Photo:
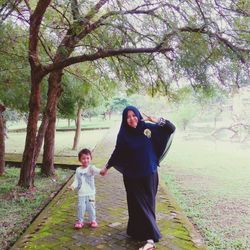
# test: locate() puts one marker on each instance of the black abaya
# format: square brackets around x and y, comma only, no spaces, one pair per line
[141,194]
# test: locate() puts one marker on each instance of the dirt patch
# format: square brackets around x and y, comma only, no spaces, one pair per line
[190,182]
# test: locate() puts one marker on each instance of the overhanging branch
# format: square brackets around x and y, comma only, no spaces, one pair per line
[103,53]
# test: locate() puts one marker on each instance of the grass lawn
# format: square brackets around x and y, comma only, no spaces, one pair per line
[210,180]
[18,208]
[94,122]
[63,141]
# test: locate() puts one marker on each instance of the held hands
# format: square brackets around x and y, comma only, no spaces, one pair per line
[103,171]
[70,188]
[150,118]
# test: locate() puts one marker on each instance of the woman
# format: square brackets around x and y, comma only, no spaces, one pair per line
[140,147]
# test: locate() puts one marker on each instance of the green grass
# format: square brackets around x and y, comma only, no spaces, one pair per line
[17,207]
[63,141]
[95,122]
[210,180]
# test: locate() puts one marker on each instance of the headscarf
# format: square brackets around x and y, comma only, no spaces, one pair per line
[139,150]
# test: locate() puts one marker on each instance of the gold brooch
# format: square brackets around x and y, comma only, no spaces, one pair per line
[147,132]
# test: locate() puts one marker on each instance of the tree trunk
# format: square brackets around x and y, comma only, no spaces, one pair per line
[78,128]
[40,135]
[27,172]
[2,141]
[54,92]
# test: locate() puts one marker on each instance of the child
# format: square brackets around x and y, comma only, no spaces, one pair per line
[85,184]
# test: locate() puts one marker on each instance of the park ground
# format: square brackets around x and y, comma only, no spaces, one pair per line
[209,180]
[53,228]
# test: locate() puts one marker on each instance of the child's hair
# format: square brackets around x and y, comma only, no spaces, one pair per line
[84,151]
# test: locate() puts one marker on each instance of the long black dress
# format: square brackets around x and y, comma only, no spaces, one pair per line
[137,155]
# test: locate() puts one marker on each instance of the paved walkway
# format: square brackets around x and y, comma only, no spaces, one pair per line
[53,228]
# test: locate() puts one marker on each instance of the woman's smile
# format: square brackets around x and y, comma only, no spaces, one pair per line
[132,119]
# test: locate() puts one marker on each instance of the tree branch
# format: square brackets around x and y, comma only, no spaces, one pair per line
[224,41]
[75,10]
[200,10]
[10,6]
[62,14]
[103,53]
[233,47]
[35,22]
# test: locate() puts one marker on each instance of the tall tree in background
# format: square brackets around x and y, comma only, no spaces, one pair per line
[15,70]
[10,79]
[83,94]
[193,40]
[2,140]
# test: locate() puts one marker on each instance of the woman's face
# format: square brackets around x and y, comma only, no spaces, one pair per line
[132,119]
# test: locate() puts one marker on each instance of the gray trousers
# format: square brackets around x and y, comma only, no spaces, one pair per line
[86,204]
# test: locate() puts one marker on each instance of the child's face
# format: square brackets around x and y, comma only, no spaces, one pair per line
[85,159]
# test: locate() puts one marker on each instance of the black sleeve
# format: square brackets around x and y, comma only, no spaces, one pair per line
[167,125]
[113,159]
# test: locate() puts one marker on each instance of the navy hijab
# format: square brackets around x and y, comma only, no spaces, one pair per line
[139,150]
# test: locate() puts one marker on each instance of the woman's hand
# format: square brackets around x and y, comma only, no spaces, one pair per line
[150,118]
[103,171]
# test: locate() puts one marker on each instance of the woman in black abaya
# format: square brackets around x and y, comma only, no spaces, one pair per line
[140,147]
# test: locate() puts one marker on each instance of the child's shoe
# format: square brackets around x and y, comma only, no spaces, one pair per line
[93,224]
[78,225]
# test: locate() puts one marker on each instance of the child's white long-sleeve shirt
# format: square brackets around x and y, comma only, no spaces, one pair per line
[84,180]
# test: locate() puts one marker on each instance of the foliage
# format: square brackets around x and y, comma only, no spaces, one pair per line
[15,77]
[7,7]
[117,104]
[12,115]
[199,41]
[196,104]
[184,113]
[85,92]
[196,50]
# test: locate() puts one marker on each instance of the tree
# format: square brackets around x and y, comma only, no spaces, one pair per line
[82,94]
[2,140]
[117,103]
[15,78]
[186,111]
[190,39]
[85,98]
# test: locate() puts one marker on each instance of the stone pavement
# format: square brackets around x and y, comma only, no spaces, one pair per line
[53,228]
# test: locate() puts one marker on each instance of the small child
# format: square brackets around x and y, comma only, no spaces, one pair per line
[85,184]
